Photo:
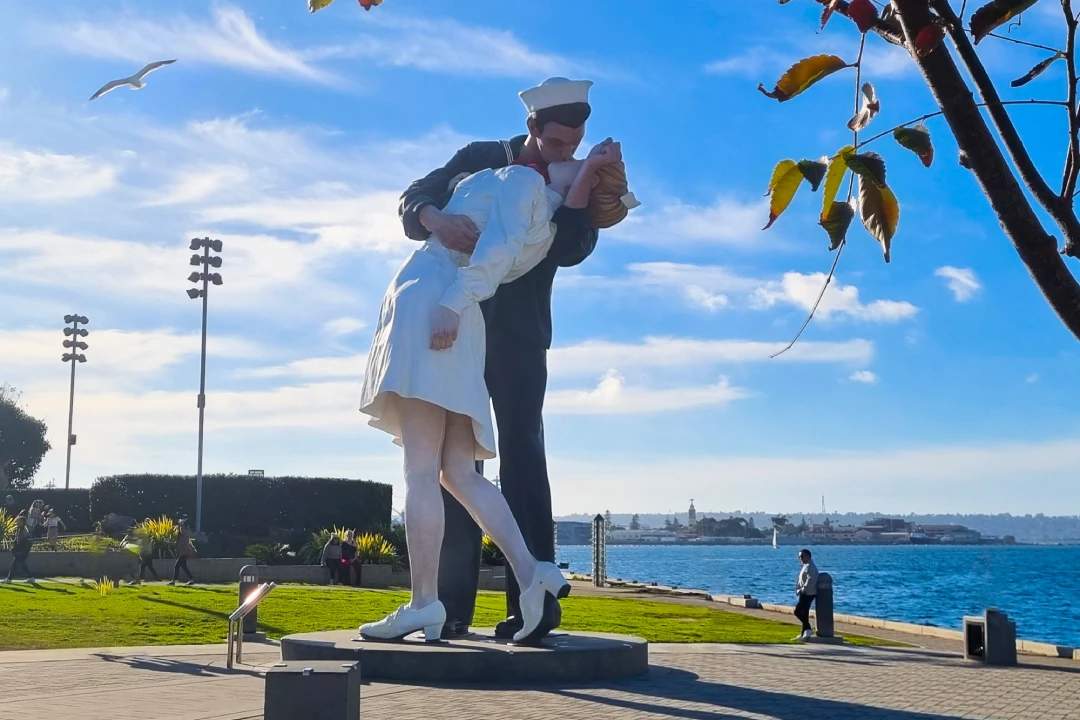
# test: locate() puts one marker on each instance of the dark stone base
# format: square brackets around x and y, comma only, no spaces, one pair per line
[478,659]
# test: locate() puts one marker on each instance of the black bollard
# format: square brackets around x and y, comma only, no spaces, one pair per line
[249,580]
[824,606]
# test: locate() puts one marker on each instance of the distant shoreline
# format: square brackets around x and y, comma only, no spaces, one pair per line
[813,542]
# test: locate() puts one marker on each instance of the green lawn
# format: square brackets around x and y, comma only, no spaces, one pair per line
[57,615]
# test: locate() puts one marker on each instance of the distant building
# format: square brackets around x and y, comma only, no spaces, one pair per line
[950,533]
[691,520]
[889,525]
[571,532]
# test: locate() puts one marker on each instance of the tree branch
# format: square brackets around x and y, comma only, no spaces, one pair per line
[1072,161]
[924,118]
[885,29]
[1058,208]
[1037,249]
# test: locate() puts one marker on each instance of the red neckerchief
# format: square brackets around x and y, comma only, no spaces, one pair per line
[536,164]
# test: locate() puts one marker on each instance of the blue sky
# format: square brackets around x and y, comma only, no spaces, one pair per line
[939,382]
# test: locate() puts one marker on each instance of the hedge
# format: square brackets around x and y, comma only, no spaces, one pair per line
[73,506]
[247,506]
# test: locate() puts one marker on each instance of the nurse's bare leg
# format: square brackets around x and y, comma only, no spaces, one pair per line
[481,498]
[423,427]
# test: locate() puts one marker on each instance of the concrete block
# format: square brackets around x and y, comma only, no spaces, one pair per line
[313,690]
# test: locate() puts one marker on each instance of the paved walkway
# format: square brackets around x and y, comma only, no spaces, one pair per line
[692,682]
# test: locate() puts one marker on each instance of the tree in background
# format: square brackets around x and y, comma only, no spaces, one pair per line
[780,522]
[22,442]
[635,522]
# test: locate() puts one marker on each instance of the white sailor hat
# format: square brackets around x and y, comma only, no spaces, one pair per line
[555,91]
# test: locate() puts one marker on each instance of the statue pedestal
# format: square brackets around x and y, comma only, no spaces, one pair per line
[480,658]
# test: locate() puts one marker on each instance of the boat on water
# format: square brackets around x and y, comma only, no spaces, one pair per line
[775,538]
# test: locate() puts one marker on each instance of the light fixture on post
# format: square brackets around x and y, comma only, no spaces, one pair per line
[206,278]
[75,356]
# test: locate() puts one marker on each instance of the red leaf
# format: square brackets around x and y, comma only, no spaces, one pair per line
[827,12]
[863,13]
[928,39]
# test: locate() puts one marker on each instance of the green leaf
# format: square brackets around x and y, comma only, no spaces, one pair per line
[917,140]
[834,176]
[868,165]
[880,213]
[837,222]
[1037,70]
[785,181]
[995,14]
[871,106]
[813,171]
[802,75]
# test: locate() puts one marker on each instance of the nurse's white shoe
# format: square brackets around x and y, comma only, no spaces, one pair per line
[407,620]
[539,603]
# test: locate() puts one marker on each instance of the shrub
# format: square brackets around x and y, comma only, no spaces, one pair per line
[162,534]
[490,553]
[81,543]
[311,553]
[268,553]
[396,536]
[374,549]
[102,585]
[247,506]
[7,529]
[73,506]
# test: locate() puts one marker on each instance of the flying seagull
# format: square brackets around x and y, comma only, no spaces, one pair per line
[135,81]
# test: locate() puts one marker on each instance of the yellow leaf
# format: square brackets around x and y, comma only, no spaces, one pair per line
[316,5]
[785,181]
[833,177]
[802,75]
[995,14]
[880,213]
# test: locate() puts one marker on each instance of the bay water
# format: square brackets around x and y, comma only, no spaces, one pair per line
[1038,586]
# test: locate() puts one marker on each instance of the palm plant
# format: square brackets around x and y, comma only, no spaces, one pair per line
[102,586]
[268,553]
[7,529]
[162,534]
[374,549]
[311,553]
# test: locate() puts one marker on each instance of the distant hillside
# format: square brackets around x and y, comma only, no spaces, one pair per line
[1026,528]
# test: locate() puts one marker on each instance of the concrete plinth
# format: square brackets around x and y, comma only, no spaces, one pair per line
[479,658]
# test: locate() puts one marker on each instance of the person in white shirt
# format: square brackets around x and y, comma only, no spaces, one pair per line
[806,590]
[424,382]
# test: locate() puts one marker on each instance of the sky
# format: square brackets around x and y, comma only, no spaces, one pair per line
[939,382]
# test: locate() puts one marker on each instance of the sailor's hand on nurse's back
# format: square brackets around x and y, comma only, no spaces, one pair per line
[456,232]
[607,152]
[444,328]
[455,180]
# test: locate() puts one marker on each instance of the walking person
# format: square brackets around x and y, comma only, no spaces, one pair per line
[185,549]
[142,539]
[331,556]
[806,590]
[348,559]
[53,524]
[35,519]
[20,551]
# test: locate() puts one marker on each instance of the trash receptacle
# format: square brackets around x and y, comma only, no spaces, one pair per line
[249,580]
[824,606]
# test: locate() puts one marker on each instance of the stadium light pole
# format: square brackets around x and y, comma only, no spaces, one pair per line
[207,278]
[72,341]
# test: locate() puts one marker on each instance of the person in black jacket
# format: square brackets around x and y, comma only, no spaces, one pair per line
[518,320]
[20,551]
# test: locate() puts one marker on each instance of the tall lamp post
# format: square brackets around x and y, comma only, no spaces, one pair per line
[204,261]
[74,344]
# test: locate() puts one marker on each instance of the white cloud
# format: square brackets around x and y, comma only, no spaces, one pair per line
[765,64]
[446,46]
[965,478]
[230,40]
[339,327]
[597,356]
[726,222]
[27,176]
[194,184]
[1032,378]
[963,282]
[612,396]
[351,366]
[802,291]
[114,356]
[864,376]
